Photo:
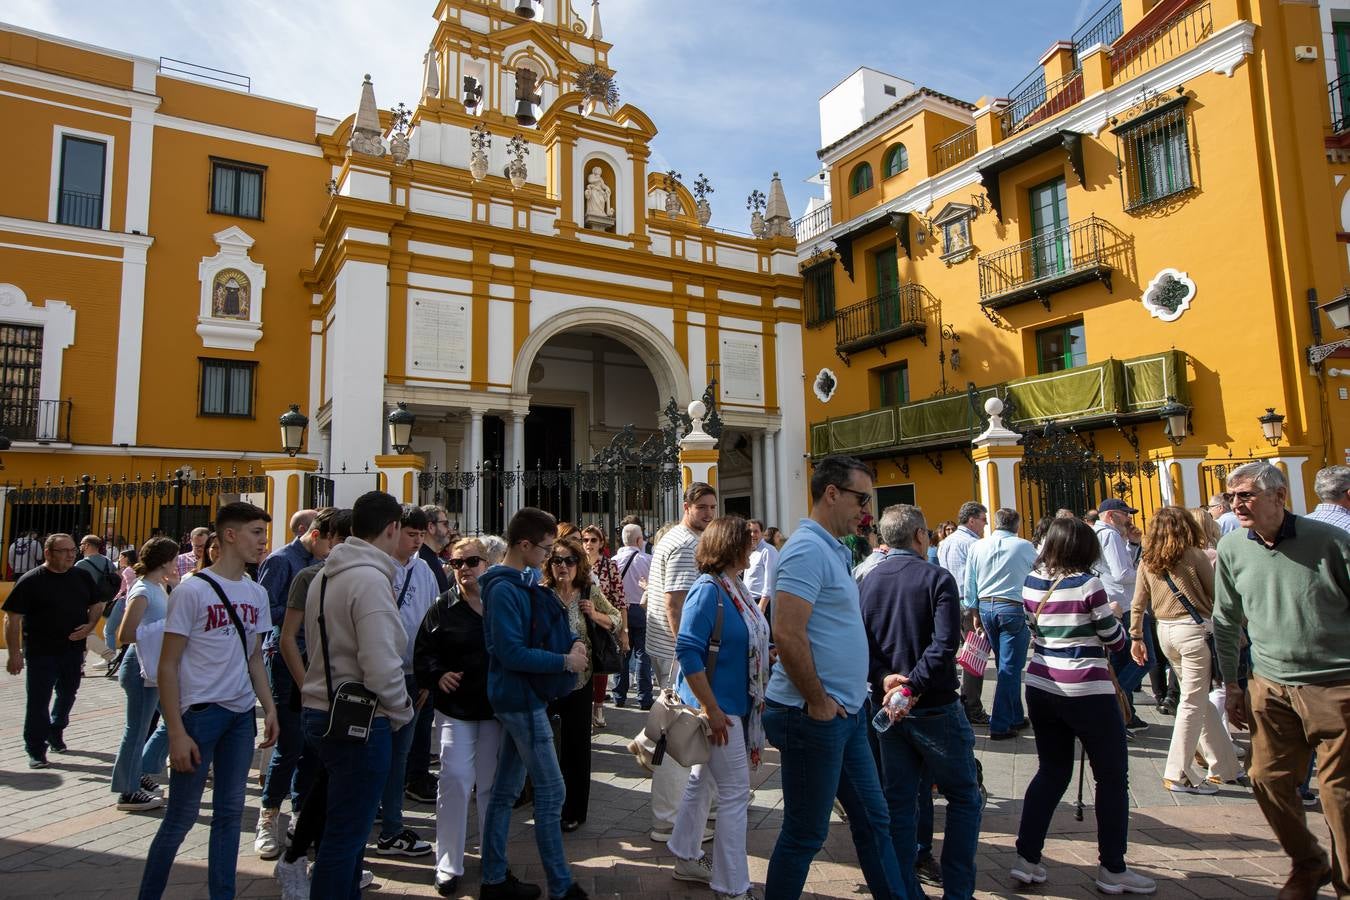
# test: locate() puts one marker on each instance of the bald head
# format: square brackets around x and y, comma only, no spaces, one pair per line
[301,521]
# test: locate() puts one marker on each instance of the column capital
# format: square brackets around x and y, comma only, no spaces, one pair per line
[400,461]
[996,451]
[1168,454]
[1292,451]
[289,464]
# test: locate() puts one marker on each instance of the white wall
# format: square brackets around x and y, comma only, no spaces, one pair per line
[856,99]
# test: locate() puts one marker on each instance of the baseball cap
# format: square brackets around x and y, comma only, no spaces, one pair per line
[1114,504]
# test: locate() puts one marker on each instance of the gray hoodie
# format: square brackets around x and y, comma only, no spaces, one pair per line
[365,635]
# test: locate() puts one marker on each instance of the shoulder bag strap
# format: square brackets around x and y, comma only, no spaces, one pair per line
[229,608]
[715,642]
[407,580]
[1182,599]
[626,566]
[323,636]
[1036,616]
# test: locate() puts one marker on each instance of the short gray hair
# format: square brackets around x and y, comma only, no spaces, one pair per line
[899,524]
[969,510]
[495,547]
[1006,519]
[1262,475]
[1218,500]
[632,535]
[1331,483]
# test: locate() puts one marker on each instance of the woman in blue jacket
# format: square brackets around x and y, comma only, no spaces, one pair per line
[728,686]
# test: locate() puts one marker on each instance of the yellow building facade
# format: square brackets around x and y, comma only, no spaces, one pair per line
[1141,227]
[181,260]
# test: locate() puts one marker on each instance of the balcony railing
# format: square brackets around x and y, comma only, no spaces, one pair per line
[875,322]
[79,209]
[1052,261]
[1170,39]
[1040,100]
[1104,27]
[43,421]
[955,149]
[1339,94]
[813,223]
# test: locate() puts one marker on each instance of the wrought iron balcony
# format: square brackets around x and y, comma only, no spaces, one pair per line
[1339,95]
[1168,40]
[43,421]
[1050,262]
[79,209]
[957,148]
[875,322]
[813,223]
[1036,100]
[1105,25]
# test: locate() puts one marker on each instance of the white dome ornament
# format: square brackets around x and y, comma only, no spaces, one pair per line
[1169,295]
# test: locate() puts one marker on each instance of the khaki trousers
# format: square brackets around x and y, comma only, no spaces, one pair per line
[1197,721]
[1290,723]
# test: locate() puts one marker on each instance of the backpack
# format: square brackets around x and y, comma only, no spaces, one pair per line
[549,630]
[106,580]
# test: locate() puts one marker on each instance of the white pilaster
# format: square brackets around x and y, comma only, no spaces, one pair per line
[757,475]
[515,462]
[773,487]
[1293,470]
[130,320]
[473,518]
[358,342]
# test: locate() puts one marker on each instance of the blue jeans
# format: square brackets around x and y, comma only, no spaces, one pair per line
[1129,673]
[225,741]
[527,747]
[934,745]
[923,839]
[391,797]
[292,771]
[356,775]
[137,755]
[1005,624]
[57,673]
[637,650]
[822,760]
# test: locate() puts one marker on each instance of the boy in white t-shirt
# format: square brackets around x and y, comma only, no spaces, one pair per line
[210,672]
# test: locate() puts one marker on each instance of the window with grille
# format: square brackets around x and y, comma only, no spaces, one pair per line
[20,377]
[1155,156]
[227,387]
[236,189]
[819,282]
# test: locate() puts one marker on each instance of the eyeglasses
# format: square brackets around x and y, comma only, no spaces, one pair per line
[1243,496]
[63,550]
[568,561]
[471,561]
[863,498]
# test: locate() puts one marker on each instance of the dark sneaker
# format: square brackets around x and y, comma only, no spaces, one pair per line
[149,785]
[575,893]
[405,843]
[1136,724]
[448,887]
[1002,735]
[421,791]
[977,716]
[1022,725]
[38,762]
[138,801]
[929,872]
[510,889]
[57,742]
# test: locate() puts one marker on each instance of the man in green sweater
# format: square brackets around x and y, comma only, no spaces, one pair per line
[1287,578]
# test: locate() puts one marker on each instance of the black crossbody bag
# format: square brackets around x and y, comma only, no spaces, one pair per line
[351,708]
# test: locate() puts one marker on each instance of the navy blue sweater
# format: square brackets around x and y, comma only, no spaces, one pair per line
[912,613]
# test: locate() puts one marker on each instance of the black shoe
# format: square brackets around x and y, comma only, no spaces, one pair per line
[422,791]
[448,887]
[57,742]
[511,889]
[977,716]
[569,827]
[1002,735]
[645,706]
[618,701]
[1022,725]
[929,872]
[575,893]
[38,762]
[1167,708]
[1136,724]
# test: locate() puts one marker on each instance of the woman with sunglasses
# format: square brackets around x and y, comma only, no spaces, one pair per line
[450,660]
[605,575]
[568,573]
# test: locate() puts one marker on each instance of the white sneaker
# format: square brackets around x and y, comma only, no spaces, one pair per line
[1027,872]
[1126,882]
[1185,786]
[294,879]
[367,876]
[265,843]
[693,869]
[663,835]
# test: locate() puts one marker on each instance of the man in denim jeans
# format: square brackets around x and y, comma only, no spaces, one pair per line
[913,616]
[209,673]
[817,690]
[527,739]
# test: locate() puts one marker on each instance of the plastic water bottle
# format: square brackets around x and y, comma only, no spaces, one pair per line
[900,700]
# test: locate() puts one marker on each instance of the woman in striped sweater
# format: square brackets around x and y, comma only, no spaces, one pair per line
[1071,696]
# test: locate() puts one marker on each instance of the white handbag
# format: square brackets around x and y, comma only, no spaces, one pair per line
[149,641]
[676,728]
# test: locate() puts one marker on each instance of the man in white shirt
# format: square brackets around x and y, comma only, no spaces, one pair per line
[1222,512]
[952,552]
[634,567]
[25,554]
[1116,569]
[1332,486]
[763,566]
[210,675]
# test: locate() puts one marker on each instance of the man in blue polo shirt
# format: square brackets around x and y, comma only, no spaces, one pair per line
[816,692]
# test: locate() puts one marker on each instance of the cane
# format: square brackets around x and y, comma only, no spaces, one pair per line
[1078,808]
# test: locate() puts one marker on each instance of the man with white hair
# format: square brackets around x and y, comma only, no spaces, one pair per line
[1223,514]
[1332,486]
[1287,578]
[996,569]
[634,565]
[971,520]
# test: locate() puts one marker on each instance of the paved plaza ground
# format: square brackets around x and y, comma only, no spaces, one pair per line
[61,837]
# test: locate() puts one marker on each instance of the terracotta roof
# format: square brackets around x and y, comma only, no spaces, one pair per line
[894,107]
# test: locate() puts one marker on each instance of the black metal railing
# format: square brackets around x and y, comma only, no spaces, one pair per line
[957,148]
[1169,39]
[1104,26]
[1051,261]
[889,316]
[36,420]
[1040,100]
[80,209]
[813,223]
[1338,92]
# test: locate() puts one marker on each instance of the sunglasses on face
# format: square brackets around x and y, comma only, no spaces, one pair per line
[471,561]
[862,498]
[568,561]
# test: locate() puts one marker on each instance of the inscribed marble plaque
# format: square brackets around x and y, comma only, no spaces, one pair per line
[742,368]
[438,336]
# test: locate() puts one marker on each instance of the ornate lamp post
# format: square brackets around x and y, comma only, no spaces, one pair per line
[1176,420]
[401,423]
[947,333]
[293,424]
[1272,426]
[1338,311]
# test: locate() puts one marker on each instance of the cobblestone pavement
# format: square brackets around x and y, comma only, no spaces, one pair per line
[60,835]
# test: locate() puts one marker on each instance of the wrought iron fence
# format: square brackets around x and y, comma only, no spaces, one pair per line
[1061,469]
[1157,45]
[36,420]
[1060,252]
[1214,475]
[957,148]
[1040,100]
[1338,93]
[321,487]
[128,511]
[888,316]
[1104,26]
[817,221]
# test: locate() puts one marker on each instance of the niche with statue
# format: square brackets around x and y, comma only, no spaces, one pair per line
[598,195]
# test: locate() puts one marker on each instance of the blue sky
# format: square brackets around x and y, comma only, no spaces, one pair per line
[731,84]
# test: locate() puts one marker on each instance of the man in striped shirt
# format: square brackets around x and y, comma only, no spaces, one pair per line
[187,562]
[1332,486]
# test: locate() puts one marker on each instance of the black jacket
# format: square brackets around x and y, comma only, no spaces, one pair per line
[451,640]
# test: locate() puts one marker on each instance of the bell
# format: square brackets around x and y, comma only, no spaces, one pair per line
[525,113]
[525,9]
[473,92]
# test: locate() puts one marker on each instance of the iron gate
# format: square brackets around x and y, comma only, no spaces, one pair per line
[1214,475]
[1061,469]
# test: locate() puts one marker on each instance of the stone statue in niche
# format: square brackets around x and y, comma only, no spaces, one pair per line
[230,295]
[599,205]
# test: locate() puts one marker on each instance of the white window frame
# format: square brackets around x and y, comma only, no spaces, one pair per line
[59,134]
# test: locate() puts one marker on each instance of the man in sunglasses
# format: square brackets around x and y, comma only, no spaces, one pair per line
[434,542]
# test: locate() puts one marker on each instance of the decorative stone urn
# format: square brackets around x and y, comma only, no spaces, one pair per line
[399,146]
[757,225]
[703,211]
[672,204]
[478,164]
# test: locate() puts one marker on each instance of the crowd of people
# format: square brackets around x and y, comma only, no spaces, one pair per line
[380,646]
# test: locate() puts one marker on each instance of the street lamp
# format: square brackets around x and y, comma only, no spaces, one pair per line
[1175,419]
[293,424]
[400,428]
[1272,426]
[1338,311]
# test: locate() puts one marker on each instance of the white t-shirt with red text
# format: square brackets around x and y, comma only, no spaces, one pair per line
[213,668]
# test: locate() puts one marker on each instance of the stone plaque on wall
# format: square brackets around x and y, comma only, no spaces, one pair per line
[742,368]
[438,336]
